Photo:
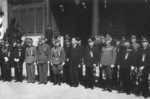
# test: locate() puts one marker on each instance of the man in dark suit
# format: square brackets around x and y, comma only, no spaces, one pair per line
[18,59]
[49,35]
[74,63]
[91,60]
[144,66]
[126,67]
[66,66]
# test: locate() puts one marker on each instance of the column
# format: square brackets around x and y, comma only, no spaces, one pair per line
[95,18]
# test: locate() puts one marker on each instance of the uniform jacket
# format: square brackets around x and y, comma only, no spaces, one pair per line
[91,56]
[108,55]
[43,53]
[127,58]
[143,58]
[30,54]
[57,55]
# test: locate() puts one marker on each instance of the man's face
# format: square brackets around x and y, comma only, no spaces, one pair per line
[144,44]
[133,40]
[73,41]
[118,43]
[91,43]
[108,42]
[126,44]
[43,41]
[29,44]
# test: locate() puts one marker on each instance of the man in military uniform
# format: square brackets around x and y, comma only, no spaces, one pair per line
[107,62]
[30,60]
[144,66]
[57,57]
[43,59]
[18,59]
[91,61]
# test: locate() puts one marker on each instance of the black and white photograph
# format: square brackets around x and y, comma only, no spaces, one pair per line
[74,49]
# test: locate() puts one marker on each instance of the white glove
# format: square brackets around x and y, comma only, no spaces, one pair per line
[51,64]
[34,63]
[48,62]
[16,60]
[112,66]
[132,67]
[67,59]
[79,66]
[141,68]
[100,65]
[6,59]
[94,65]
[119,67]
[63,64]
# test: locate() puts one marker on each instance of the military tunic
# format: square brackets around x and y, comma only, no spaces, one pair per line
[43,56]
[30,59]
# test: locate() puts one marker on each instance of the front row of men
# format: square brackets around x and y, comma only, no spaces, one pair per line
[128,61]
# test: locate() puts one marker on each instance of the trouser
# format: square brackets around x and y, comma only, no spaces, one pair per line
[7,72]
[18,71]
[115,76]
[100,75]
[43,69]
[125,79]
[74,74]
[2,70]
[89,77]
[144,84]
[107,70]
[51,73]
[80,74]
[66,73]
[57,72]
[30,72]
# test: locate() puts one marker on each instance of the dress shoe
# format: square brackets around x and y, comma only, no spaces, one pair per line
[45,83]
[40,83]
[105,89]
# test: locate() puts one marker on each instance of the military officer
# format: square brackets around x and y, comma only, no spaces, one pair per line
[18,59]
[57,57]
[43,59]
[144,66]
[107,62]
[30,60]
[91,61]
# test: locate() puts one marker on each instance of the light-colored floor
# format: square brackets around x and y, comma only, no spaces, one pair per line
[16,90]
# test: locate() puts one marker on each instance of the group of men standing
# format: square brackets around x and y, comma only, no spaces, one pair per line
[124,63]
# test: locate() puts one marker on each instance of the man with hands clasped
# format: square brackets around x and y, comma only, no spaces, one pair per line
[107,62]
[57,59]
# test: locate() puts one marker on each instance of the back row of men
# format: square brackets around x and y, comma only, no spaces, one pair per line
[125,64]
